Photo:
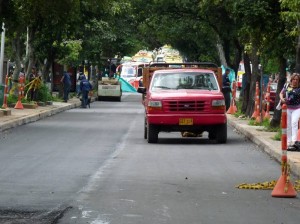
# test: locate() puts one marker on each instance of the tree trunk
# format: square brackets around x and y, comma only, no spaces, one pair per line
[246,93]
[237,58]
[31,59]
[275,121]
[16,46]
[221,52]
[254,78]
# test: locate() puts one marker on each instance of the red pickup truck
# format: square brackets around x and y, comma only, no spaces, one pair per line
[183,97]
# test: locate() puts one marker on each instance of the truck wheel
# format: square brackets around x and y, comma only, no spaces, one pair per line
[152,134]
[145,129]
[221,133]
[212,135]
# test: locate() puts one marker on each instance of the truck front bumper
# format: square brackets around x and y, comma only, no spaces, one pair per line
[200,123]
[201,119]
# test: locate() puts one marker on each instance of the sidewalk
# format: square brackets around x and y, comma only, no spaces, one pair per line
[254,133]
[24,116]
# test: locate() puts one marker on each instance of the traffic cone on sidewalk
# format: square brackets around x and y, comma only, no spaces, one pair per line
[256,112]
[232,109]
[19,104]
[267,113]
[284,187]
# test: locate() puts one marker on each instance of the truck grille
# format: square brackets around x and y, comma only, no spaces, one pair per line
[184,106]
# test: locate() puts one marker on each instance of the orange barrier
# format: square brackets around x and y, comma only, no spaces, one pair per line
[256,105]
[4,106]
[21,87]
[232,109]
[267,114]
[284,188]
[298,133]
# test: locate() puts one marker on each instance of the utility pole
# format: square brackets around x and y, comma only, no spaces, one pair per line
[2,53]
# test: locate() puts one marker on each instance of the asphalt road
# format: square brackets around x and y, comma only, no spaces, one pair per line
[93,166]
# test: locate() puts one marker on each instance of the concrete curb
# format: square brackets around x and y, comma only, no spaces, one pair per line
[38,115]
[263,140]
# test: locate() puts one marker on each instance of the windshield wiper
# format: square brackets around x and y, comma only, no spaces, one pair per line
[162,87]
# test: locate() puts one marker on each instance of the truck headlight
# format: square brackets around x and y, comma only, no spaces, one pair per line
[154,105]
[218,104]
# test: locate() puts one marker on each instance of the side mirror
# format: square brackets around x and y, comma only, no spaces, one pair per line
[141,90]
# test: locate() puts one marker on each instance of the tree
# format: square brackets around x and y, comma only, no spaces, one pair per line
[291,12]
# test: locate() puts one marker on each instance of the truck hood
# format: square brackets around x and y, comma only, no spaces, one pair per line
[185,93]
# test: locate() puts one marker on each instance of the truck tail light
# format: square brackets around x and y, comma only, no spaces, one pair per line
[218,104]
[154,105]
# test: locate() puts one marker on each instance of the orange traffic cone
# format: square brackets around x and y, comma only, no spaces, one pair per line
[232,109]
[284,187]
[19,104]
[267,114]
[256,112]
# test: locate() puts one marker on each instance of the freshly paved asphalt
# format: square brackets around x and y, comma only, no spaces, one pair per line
[256,134]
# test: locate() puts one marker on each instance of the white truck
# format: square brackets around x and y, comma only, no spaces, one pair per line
[109,89]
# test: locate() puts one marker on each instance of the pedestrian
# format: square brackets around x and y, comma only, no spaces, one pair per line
[99,75]
[85,87]
[66,82]
[113,70]
[32,87]
[78,79]
[290,95]
[226,89]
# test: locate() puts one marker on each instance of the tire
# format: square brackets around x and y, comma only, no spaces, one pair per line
[212,135]
[145,129]
[221,133]
[152,133]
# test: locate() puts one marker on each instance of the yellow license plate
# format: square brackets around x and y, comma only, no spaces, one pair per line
[185,121]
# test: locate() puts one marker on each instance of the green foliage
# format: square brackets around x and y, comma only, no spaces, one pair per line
[239,106]
[43,94]
[271,66]
[70,51]
[267,127]
[12,99]
[277,136]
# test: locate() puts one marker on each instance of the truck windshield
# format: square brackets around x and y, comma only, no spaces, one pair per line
[188,80]
[128,72]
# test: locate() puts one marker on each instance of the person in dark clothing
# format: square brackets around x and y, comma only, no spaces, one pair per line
[226,89]
[66,81]
[113,70]
[85,87]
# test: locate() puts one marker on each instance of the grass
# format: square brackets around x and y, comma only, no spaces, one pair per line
[239,106]
[277,136]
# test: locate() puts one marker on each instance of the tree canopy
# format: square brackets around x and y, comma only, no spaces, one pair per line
[263,32]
